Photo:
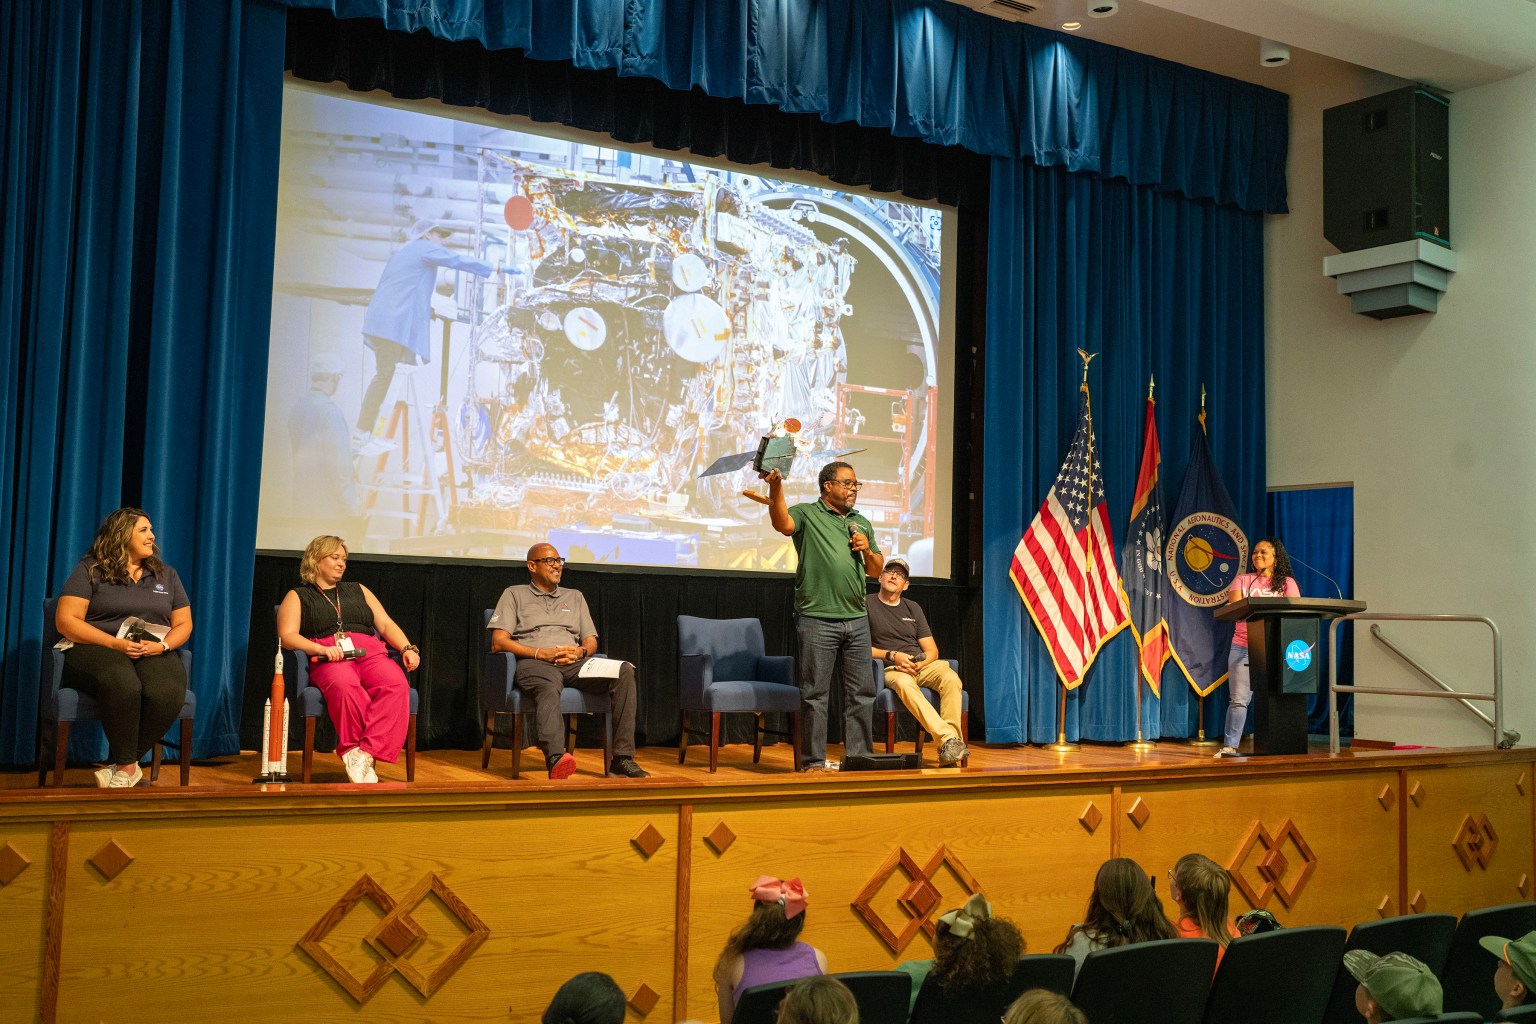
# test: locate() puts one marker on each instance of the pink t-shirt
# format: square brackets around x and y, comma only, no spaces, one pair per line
[1251,584]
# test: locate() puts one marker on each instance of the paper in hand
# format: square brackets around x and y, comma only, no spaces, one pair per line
[600,668]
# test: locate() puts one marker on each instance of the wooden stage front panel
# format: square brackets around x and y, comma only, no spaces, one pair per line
[454,901]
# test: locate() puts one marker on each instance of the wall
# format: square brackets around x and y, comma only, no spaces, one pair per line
[1430,416]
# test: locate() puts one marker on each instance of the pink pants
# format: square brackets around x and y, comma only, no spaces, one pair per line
[369,699]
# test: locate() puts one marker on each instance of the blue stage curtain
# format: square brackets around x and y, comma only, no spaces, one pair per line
[1155,284]
[1317,525]
[140,147]
[927,69]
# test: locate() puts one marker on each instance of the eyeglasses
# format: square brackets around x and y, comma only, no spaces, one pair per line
[551,562]
[894,572]
[852,485]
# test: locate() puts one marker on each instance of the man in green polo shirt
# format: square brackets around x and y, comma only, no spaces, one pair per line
[836,550]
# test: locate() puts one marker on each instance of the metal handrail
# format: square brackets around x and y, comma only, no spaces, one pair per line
[1334,689]
[1510,736]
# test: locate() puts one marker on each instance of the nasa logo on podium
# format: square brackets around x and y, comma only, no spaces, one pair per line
[1298,655]
[1205,553]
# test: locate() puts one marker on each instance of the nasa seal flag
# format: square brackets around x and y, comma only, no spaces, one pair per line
[1205,552]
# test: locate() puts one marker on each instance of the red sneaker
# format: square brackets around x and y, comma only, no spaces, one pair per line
[563,767]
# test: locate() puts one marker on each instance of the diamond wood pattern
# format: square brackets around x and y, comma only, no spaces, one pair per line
[1416,794]
[1523,887]
[12,863]
[1139,812]
[919,898]
[643,999]
[1281,876]
[1419,902]
[1475,842]
[720,837]
[1386,908]
[360,989]
[110,860]
[648,840]
[428,982]
[1520,784]
[1386,797]
[1091,818]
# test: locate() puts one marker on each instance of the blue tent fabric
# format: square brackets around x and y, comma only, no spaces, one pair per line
[926,69]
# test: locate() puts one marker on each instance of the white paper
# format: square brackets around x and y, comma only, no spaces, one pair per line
[600,668]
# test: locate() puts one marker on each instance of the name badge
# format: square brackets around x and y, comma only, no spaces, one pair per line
[345,642]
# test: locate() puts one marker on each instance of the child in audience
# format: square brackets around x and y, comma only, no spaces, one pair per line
[588,998]
[974,956]
[1042,1006]
[1200,888]
[767,948]
[1394,986]
[819,1000]
[1122,909]
[1515,980]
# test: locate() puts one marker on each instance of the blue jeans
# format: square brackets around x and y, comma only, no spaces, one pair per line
[839,646]
[1240,690]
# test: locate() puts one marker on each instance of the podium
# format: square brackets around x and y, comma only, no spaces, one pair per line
[1284,656]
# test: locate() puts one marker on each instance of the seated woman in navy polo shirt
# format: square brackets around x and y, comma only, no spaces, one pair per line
[138,690]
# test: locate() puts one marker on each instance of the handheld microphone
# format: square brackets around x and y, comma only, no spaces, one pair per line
[1330,579]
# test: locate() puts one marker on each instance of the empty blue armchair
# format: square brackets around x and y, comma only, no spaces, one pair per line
[499,695]
[59,707]
[887,704]
[722,670]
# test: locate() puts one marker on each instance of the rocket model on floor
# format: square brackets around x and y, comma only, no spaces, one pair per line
[274,729]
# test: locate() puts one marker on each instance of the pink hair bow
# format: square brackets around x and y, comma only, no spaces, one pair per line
[790,895]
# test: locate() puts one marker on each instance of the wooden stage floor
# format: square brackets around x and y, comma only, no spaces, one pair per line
[467,896]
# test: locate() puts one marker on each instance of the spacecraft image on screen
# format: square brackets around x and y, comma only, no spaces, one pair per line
[483,338]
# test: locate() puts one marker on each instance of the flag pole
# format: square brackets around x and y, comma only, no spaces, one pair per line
[1142,745]
[1061,746]
[1200,740]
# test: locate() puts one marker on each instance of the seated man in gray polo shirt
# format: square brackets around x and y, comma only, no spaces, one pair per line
[550,630]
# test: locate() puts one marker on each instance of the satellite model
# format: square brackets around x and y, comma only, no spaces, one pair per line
[776,451]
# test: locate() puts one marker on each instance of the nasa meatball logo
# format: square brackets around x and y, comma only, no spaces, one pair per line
[1205,553]
[1298,655]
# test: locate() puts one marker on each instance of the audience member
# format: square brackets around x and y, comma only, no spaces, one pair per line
[1123,909]
[819,1000]
[974,955]
[1042,1006]
[1515,980]
[767,948]
[1394,986]
[1200,888]
[589,998]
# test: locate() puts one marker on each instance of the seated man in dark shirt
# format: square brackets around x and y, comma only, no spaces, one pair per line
[899,631]
[550,630]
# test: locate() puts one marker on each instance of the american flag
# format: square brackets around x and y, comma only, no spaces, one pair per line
[1064,567]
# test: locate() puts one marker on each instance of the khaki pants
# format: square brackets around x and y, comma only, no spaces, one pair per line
[936,675]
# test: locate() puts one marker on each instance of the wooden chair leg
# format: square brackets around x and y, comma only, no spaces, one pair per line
[42,751]
[60,750]
[185,760]
[794,737]
[714,741]
[607,742]
[307,763]
[757,737]
[965,737]
[570,733]
[488,740]
[682,736]
[890,731]
[156,752]
[517,745]
[919,746]
[410,750]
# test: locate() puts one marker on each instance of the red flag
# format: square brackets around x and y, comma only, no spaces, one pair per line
[1146,581]
[1064,567]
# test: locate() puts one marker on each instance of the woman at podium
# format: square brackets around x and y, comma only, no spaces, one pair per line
[1271,577]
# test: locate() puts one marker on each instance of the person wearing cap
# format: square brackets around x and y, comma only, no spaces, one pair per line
[1393,986]
[324,487]
[901,639]
[835,550]
[397,323]
[1515,980]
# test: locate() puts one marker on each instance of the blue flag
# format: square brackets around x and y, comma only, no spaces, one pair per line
[1205,552]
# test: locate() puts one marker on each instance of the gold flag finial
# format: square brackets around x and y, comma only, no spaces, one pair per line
[1202,408]
[1151,386]
[1087,358]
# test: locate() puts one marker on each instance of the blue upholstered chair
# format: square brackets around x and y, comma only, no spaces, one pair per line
[500,696]
[722,670]
[1424,936]
[1280,977]
[887,704]
[1170,977]
[309,701]
[59,707]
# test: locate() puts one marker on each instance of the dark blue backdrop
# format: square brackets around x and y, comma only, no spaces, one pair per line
[140,164]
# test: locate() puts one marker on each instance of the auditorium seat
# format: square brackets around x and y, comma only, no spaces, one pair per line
[887,703]
[722,670]
[881,995]
[1161,982]
[1281,977]
[499,695]
[1468,975]
[935,1005]
[760,1003]
[59,707]
[1427,937]
[309,701]
[1443,1018]
[1525,1013]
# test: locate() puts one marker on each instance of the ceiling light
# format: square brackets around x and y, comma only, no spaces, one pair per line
[1273,54]
[1102,8]
[1071,26]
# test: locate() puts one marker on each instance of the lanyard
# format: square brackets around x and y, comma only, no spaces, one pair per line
[336,604]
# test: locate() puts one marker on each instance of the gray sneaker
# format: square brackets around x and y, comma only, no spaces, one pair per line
[951,752]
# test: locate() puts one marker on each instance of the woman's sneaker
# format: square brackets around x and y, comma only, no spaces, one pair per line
[1226,752]
[126,776]
[359,766]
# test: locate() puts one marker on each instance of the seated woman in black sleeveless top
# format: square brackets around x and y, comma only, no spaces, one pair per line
[343,629]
